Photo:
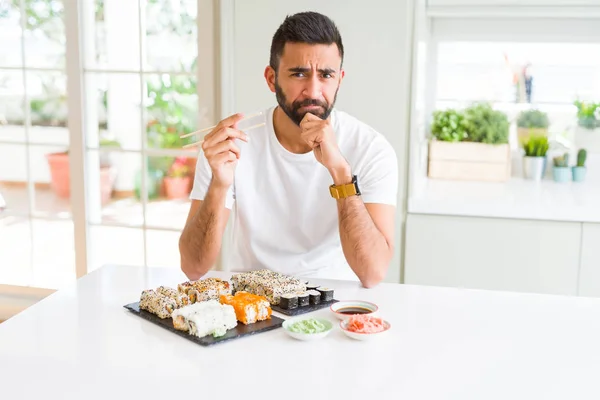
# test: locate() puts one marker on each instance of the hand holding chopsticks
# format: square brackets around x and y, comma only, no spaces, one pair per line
[221,151]
[199,143]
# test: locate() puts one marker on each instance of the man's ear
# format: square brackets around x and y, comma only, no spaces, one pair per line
[270,77]
[342,74]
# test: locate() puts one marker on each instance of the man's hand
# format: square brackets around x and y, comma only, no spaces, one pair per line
[221,151]
[319,135]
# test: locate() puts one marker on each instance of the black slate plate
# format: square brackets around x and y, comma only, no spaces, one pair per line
[239,331]
[303,310]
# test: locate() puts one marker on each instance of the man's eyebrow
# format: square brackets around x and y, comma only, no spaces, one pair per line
[306,69]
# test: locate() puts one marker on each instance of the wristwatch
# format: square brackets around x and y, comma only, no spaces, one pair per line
[346,190]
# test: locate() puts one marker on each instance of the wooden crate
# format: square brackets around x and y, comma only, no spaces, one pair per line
[469,161]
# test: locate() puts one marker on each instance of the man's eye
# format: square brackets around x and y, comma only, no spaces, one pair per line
[327,76]
[298,74]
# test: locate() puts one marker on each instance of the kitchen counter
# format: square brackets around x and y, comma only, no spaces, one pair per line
[518,199]
[445,343]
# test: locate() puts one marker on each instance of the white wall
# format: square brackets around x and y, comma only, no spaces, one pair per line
[376,39]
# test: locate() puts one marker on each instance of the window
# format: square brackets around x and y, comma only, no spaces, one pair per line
[140,93]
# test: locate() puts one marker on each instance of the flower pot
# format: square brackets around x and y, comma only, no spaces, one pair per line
[469,161]
[579,173]
[59,173]
[177,188]
[61,179]
[107,183]
[561,174]
[534,167]
[191,164]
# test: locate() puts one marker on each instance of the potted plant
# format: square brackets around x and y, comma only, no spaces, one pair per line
[60,176]
[560,170]
[470,144]
[177,181]
[579,170]
[534,162]
[587,133]
[531,122]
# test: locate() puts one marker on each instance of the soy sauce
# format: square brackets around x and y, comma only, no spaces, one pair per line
[354,310]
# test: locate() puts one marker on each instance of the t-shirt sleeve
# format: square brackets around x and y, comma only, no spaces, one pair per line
[202,180]
[378,174]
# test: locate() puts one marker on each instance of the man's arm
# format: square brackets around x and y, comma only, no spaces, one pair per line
[367,235]
[201,239]
[366,230]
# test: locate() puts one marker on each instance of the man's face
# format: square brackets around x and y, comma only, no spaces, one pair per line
[307,80]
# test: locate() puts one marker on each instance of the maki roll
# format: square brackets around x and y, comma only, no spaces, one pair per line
[303,299]
[314,297]
[326,294]
[311,286]
[288,301]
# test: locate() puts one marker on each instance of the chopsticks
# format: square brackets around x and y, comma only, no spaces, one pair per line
[212,127]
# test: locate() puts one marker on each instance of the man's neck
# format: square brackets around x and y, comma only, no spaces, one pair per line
[288,133]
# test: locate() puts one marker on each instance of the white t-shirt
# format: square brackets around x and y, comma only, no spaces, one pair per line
[284,217]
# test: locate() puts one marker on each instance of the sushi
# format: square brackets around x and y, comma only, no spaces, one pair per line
[314,297]
[205,318]
[326,294]
[266,283]
[311,286]
[204,289]
[303,299]
[181,299]
[157,304]
[249,308]
[288,301]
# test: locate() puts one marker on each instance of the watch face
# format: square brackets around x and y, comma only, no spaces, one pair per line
[355,181]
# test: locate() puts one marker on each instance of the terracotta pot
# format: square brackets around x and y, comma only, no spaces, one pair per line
[107,182]
[61,180]
[177,188]
[191,164]
[59,172]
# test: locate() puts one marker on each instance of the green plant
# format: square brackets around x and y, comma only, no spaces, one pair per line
[533,119]
[536,146]
[486,125]
[172,105]
[561,161]
[581,157]
[588,114]
[448,126]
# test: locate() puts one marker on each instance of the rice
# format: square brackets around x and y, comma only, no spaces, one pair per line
[205,318]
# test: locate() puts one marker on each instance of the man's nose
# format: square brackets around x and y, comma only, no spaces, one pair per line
[312,89]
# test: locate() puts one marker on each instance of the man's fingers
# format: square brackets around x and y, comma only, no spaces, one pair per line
[222,147]
[222,135]
[306,125]
[313,137]
[230,121]
[224,158]
[310,117]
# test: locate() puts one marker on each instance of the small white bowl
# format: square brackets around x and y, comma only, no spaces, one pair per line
[307,336]
[338,306]
[363,336]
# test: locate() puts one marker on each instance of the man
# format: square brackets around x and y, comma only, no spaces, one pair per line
[313,191]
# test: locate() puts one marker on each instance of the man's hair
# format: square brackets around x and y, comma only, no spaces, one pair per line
[305,27]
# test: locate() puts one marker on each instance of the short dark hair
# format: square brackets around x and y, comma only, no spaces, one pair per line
[305,27]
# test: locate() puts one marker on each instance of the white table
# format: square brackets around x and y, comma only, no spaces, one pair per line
[80,343]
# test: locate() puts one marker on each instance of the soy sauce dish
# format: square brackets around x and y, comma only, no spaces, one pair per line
[345,309]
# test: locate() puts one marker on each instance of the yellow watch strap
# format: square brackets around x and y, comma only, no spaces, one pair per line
[343,191]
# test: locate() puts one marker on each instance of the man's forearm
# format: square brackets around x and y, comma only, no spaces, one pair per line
[366,249]
[201,238]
